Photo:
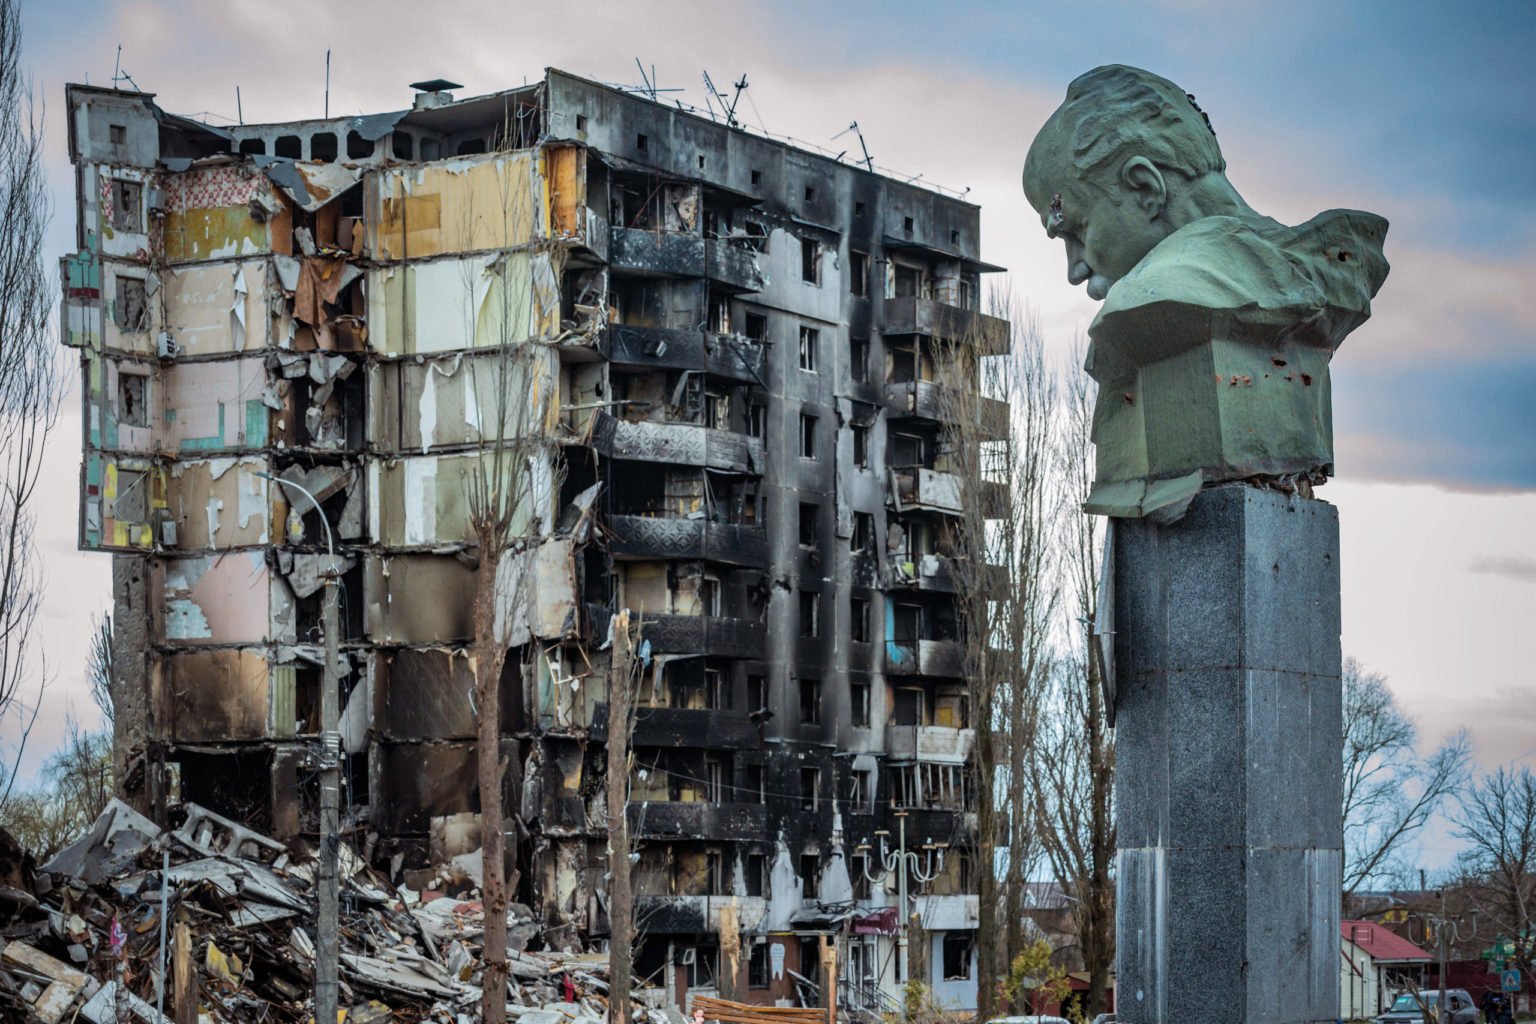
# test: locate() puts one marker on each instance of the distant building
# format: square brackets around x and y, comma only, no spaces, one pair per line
[743,340]
[1377,965]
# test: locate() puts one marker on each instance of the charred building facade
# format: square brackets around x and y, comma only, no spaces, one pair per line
[736,343]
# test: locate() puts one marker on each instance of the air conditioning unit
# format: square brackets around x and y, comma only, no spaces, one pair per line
[687,957]
[165,346]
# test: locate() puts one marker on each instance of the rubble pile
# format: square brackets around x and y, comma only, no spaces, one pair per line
[82,937]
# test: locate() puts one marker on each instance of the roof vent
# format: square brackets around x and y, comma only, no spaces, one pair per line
[433,93]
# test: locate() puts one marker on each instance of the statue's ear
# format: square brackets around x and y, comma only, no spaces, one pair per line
[1145,182]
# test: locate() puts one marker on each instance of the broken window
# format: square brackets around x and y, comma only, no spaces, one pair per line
[322,147]
[810,341]
[401,145]
[755,791]
[117,134]
[858,625]
[757,177]
[719,313]
[966,865]
[642,142]
[581,122]
[714,782]
[132,311]
[863,533]
[253,147]
[859,696]
[132,389]
[757,327]
[810,609]
[714,865]
[860,446]
[862,795]
[957,955]
[717,410]
[716,692]
[858,274]
[703,964]
[907,282]
[810,193]
[901,364]
[810,867]
[858,208]
[358,148]
[907,451]
[810,701]
[807,436]
[858,359]
[757,693]
[289,146]
[126,214]
[810,260]
[907,225]
[757,421]
[908,709]
[810,513]
[757,959]
[709,596]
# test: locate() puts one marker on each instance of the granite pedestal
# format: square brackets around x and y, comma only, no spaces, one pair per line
[1228,787]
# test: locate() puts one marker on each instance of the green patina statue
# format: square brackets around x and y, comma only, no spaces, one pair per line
[1211,349]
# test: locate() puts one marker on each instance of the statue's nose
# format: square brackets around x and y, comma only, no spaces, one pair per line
[1078,269]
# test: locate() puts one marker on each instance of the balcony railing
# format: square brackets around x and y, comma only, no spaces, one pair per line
[687,444]
[937,743]
[929,400]
[732,265]
[944,658]
[656,253]
[694,915]
[706,634]
[697,820]
[989,334]
[927,489]
[649,537]
[730,356]
[694,728]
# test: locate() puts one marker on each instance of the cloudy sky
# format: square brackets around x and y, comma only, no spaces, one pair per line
[1419,111]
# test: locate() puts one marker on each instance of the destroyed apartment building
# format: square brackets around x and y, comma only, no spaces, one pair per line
[734,358]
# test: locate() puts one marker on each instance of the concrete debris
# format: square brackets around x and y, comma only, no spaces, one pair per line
[87,942]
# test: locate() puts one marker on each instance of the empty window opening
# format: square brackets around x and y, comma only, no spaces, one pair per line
[907,451]
[701,161]
[126,197]
[131,391]
[810,193]
[810,608]
[714,790]
[757,693]
[858,625]
[322,147]
[757,327]
[810,701]
[861,795]
[757,421]
[253,147]
[117,134]
[755,791]
[810,342]
[858,274]
[810,791]
[581,122]
[859,694]
[858,208]
[358,148]
[810,514]
[858,359]
[863,533]
[810,867]
[860,446]
[807,436]
[957,955]
[954,238]
[290,147]
[431,149]
[757,963]
[642,142]
[908,281]
[757,177]
[402,145]
[468,147]
[810,260]
[907,225]
[132,309]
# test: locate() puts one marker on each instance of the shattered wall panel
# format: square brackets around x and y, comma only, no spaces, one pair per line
[459,303]
[425,781]
[425,499]
[451,400]
[215,696]
[220,503]
[124,502]
[418,599]
[213,599]
[465,204]
[425,694]
[216,406]
[218,212]
[215,309]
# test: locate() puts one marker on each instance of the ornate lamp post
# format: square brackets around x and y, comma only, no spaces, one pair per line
[905,863]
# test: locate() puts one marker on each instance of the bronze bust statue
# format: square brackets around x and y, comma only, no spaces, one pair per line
[1211,349]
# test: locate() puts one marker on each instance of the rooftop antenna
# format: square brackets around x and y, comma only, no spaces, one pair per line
[650,82]
[854,127]
[729,108]
[119,75]
[327,82]
[239,110]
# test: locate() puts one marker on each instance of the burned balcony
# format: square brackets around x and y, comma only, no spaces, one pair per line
[944,658]
[688,444]
[941,574]
[928,400]
[694,728]
[706,634]
[653,253]
[929,743]
[932,491]
[656,537]
[696,915]
[728,356]
[989,334]
[733,265]
[696,819]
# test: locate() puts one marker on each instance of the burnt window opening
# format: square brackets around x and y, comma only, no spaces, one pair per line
[858,274]
[581,122]
[954,238]
[718,313]
[717,689]
[755,791]
[701,161]
[858,359]
[757,327]
[861,790]
[126,199]
[132,308]
[757,693]
[807,436]
[810,610]
[290,147]
[757,177]
[714,792]
[858,873]
[117,134]
[471,146]
[306,699]
[810,526]
[901,363]
[858,626]
[907,225]
[858,208]
[810,867]
[717,410]
[307,611]
[132,393]
[757,962]
[703,967]
[810,261]
[907,451]
[402,145]
[906,281]
[958,947]
[810,701]
[860,446]
[359,148]
[863,533]
[810,193]
[859,692]
[810,341]
[965,869]
[323,147]
[642,142]
[253,147]
[237,786]
[755,238]
[908,707]
[757,420]
[969,287]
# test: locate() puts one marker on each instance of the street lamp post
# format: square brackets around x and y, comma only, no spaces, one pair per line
[326,923]
[905,863]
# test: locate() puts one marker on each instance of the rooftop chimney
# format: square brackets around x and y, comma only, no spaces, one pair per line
[433,93]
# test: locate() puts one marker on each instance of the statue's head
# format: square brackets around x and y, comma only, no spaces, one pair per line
[1125,161]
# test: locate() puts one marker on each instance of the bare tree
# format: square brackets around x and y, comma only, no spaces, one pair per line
[31,383]
[98,665]
[1389,790]
[622,677]
[77,784]
[997,411]
[1072,772]
[1498,824]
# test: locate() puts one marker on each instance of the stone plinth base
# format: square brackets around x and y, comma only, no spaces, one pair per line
[1228,720]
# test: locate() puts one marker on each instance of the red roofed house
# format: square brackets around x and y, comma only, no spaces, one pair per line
[1377,964]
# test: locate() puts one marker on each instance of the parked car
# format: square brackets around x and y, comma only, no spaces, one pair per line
[1409,1008]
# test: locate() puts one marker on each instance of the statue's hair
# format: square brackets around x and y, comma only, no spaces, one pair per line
[1115,112]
